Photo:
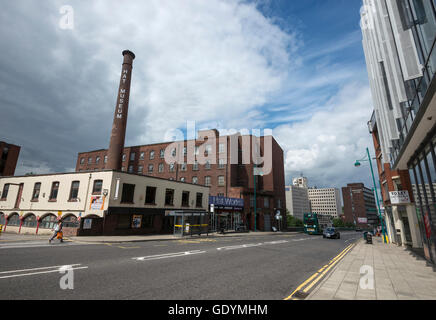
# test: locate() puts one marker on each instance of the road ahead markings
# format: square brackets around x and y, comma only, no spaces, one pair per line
[35,271]
[169,255]
[315,278]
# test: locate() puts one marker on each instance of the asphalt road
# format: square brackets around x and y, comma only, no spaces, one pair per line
[247,267]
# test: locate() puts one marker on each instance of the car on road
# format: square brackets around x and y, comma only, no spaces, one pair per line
[359,230]
[331,233]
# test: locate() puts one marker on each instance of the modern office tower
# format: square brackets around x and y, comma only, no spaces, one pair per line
[297,201]
[8,158]
[398,41]
[325,201]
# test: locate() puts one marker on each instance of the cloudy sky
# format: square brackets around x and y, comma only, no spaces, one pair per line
[296,67]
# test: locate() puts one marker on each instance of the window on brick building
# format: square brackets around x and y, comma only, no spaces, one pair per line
[151,155]
[195,180]
[207,181]
[82,161]
[132,156]
[97,160]
[221,181]
[195,166]
[150,168]
[161,167]
[141,156]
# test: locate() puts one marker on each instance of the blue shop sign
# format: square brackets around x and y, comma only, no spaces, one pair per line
[226,203]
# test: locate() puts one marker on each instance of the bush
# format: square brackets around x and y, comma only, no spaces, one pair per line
[294,222]
[338,223]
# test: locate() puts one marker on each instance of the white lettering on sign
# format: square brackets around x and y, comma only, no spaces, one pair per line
[399,197]
[122,95]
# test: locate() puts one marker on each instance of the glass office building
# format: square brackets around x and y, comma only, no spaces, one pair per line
[399,44]
[415,148]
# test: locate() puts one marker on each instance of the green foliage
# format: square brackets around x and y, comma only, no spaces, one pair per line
[338,223]
[294,222]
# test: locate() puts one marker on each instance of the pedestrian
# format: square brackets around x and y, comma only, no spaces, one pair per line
[57,229]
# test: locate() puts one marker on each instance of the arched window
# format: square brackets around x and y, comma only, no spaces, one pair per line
[30,221]
[70,222]
[48,222]
[14,220]
[2,219]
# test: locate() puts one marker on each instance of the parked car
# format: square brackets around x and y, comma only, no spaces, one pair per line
[331,233]
[359,230]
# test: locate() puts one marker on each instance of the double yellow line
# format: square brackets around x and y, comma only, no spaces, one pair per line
[314,279]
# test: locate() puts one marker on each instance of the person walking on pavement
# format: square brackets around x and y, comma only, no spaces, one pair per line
[57,229]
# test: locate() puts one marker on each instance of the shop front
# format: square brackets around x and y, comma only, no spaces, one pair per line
[226,213]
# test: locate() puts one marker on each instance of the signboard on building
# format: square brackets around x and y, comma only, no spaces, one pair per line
[362,220]
[87,224]
[97,203]
[136,222]
[226,203]
[399,197]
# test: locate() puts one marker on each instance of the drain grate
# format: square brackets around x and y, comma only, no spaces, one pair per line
[301,295]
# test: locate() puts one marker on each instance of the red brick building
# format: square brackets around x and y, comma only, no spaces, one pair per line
[227,168]
[400,218]
[8,158]
[360,206]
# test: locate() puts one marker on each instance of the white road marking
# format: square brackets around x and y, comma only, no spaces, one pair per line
[37,245]
[55,269]
[277,242]
[168,255]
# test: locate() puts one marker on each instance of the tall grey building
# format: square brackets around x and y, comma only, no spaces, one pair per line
[398,41]
[297,201]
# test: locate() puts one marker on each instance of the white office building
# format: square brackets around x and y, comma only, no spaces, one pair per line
[325,201]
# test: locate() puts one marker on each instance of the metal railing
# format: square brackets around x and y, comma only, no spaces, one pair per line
[416,102]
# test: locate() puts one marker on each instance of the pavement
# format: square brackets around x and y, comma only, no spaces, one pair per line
[378,272]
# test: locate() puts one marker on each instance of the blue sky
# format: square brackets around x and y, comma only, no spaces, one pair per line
[296,67]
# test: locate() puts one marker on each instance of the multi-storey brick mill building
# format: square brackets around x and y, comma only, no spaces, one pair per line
[223,163]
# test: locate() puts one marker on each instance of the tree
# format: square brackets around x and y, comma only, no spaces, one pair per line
[338,223]
[294,222]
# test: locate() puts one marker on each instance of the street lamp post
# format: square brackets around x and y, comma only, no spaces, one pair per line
[358,164]
[255,174]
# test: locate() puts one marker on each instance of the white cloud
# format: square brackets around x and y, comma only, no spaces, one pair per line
[326,146]
[196,60]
